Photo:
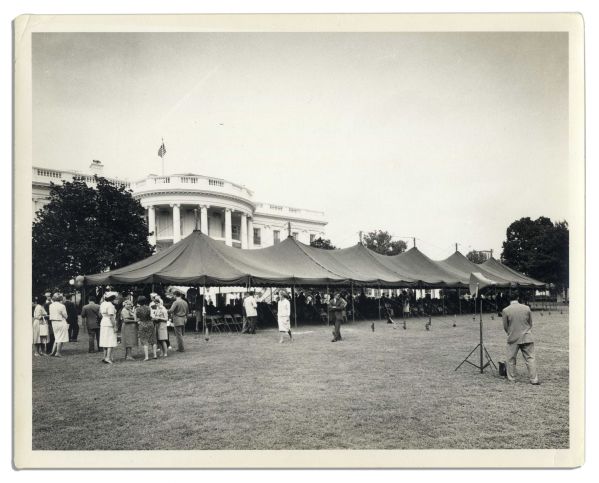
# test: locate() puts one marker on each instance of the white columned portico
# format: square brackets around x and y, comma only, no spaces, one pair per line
[244,231]
[204,219]
[250,232]
[228,230]
[152,225]
[176,223]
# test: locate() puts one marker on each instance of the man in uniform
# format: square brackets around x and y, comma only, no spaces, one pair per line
[517,323]
[337,308]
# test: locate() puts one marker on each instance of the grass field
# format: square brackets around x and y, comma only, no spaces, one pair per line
[388,389]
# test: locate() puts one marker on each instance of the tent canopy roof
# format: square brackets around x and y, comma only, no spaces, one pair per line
[201,260]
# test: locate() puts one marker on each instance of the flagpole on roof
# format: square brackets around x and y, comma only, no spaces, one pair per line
[161,153]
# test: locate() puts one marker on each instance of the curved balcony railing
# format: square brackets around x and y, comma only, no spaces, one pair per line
[191,182]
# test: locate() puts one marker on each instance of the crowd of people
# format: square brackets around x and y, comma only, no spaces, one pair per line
[145,320]
[142,322]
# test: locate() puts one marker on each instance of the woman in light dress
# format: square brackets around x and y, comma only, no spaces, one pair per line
[160,317]
[284,316]
[60,328]
[128,329]
[108,327]
[40,327]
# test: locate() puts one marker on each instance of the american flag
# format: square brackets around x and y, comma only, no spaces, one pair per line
[162,150]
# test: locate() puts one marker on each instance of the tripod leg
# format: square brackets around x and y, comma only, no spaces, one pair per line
[467,357]
[489,358]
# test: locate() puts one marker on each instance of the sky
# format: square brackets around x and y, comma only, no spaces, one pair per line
[446,137]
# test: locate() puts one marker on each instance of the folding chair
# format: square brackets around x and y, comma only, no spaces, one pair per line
[215,323]
[229,318]
[238,318]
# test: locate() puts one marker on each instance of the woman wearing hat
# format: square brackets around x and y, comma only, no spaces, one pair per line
[129,329]
[108,327]
[147,334]
[283,316]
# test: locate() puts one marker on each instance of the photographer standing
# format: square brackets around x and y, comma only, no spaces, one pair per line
[517,323]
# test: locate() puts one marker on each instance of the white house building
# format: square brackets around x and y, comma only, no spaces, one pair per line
[176,204]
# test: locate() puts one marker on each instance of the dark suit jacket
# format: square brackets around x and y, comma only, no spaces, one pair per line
[90,314]
[71,312]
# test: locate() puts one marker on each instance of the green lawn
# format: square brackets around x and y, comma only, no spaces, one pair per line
[391,389]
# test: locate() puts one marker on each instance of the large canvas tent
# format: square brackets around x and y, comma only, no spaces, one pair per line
[201,260]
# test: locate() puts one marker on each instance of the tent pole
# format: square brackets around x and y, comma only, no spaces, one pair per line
[443,302]
[205,325]
[353,309]
[460,300]
[328,317]
[380,294]
[294,306]
[481,335]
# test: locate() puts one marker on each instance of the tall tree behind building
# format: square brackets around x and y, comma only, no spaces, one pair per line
[83,230]
[539,248]
[382,242]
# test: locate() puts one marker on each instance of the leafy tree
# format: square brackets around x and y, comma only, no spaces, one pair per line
[538,248]
[381,242]
[83,230]
[476,256]
[324,243]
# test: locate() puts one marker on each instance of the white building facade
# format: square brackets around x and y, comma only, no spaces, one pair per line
[179,203]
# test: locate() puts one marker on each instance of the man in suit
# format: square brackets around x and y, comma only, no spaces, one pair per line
[73,319]
[178,312]
[337,308]
[90,314]
[517,323]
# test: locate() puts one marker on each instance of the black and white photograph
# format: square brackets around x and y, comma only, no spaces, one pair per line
[251,237]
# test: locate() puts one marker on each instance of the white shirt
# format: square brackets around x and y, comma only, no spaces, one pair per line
[250,305]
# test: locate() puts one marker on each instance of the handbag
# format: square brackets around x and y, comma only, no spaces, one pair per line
[502,369]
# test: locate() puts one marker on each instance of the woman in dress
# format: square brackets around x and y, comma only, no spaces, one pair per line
[40,326]
[108,327]
[146,332]
[58,317]
[128,329]
[160,316]
[283,316]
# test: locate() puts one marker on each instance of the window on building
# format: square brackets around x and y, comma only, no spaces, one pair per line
[312,238]
[257,237]
[294,234]
[235,232]
[276,236]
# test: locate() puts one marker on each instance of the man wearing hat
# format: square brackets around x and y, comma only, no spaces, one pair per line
[337,307]
[178,312]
